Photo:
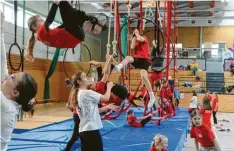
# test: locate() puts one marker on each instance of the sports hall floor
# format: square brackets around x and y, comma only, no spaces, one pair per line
[53,114]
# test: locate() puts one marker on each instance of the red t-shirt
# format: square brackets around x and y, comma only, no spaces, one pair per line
[156,76]
[57,37]
[132,121]
[210,97]
[113,99]
[165,92]
[206,117]
[142,50]
[100,87]
[153,149]
[214,103]
[203,135]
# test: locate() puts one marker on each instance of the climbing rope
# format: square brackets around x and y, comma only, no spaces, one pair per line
[109,30]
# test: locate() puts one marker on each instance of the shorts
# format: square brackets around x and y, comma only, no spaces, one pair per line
[140,63]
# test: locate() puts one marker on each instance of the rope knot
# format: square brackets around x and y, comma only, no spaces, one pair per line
[114,43]
[108,46]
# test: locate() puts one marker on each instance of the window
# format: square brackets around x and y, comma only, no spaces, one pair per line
[8,13]
[1,7]
[20,18]
[215,51]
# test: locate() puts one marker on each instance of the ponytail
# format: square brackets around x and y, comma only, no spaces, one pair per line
[73,102]
[31,44]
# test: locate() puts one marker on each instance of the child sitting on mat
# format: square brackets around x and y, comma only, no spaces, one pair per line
[202,134]
[159,143]
[131,119]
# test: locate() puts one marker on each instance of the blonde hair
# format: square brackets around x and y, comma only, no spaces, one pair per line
[72,100]
[32,21]
[159,142]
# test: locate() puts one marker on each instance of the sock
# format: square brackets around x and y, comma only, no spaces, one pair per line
[152,99]
[119,67]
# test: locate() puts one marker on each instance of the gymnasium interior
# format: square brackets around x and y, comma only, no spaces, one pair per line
[185,31]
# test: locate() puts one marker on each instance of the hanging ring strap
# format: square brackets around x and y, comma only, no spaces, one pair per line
[15,41]
[108,44]
[114,42]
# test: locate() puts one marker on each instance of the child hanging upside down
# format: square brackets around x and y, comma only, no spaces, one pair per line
[159,143]
[140,60]
[68,35]
[131,119]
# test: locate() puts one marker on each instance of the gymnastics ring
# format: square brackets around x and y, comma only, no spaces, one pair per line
[15,42]
[148,31]
[9,57]
[73,51]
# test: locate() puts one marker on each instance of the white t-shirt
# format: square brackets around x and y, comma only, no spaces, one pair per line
[8,117]
[193,104]
[4,70]
[88,110]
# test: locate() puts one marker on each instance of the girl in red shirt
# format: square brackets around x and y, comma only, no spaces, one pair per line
[202,134]
[131,119]
[206,112]
[140,60]
[68,35]
[215,101]
[159,143]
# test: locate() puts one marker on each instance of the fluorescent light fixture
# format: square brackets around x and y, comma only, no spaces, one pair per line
[97,5]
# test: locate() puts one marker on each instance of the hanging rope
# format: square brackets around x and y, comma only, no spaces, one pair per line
[15,41]
[109,30]
[23,35]
[114,42]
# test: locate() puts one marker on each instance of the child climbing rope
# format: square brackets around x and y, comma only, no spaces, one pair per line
[140,60]
[68,35]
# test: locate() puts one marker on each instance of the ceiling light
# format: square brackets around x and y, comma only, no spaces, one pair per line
[97,5]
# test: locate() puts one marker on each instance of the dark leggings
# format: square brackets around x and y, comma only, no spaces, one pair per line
[215,118]
[73,20]
[177,102]
[91,141]
[145,121]
[75,134]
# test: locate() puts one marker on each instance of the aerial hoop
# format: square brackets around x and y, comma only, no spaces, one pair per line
[73,52]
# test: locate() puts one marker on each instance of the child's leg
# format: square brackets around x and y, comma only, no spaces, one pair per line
[71,20]
[145,121]
[75,133]
[215,118]
[144,76]
[126,61]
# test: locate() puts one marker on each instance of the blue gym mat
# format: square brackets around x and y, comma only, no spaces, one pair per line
[116,135]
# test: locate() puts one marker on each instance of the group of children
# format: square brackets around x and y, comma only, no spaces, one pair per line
[88,99]
[201,129]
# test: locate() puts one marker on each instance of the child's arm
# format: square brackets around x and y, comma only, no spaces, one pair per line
[106,69]
[217,144]
[51,16]
[106,96]
[196,144]
[95,63]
